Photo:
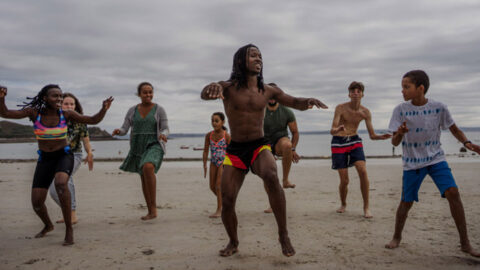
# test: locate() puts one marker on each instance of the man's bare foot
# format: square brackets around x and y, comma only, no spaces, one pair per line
[367,214]
[43,232]
[287,248]
[149,216]
[341,209]
[268,211]
[468,249]
[393,244]
[216,214]
[287,184]
[229,250]
[68,237]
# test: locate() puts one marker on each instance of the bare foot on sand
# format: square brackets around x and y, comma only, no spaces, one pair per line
[74,218]
[367,214]
[287,248]
[68,237]
[43,232]
[229,250]
[468,249]
[268,211]
[287,184]
[341,209]
[149,216]
[393,244]
[216,214]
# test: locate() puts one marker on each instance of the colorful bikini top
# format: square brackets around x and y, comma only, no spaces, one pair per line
[58,132]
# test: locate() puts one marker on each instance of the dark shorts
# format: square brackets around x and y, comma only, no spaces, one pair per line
[241,155]
[346,151]
[49,163]
[412,179]
[274,143]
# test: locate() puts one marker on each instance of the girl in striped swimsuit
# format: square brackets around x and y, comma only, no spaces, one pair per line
[55,162]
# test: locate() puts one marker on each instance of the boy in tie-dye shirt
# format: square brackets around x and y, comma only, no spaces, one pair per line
[417,124]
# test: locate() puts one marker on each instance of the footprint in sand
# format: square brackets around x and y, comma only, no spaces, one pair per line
[32,261]
[148,251]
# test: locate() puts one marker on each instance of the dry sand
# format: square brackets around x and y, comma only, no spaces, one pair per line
[110,234]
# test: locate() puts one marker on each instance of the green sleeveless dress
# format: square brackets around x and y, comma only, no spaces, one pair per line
[144,145]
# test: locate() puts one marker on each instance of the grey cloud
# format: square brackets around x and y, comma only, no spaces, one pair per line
[98,49]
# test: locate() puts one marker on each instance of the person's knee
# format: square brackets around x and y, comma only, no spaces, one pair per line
[61,186]
[452,193]
[286,145]
[270,179]
[227,201]
[361,169]
[406,205]
[148,168]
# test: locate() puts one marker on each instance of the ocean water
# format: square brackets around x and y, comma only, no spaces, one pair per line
[310,145]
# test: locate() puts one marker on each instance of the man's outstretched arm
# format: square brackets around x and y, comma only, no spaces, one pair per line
[295,102]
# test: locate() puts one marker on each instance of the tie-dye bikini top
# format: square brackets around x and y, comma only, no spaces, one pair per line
[58,132]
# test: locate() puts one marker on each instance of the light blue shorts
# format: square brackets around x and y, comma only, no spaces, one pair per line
[412,180]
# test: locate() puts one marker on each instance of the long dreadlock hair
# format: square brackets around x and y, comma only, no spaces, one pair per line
[239,68]
[37,102]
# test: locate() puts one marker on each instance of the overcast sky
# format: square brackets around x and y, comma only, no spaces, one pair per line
[310,48]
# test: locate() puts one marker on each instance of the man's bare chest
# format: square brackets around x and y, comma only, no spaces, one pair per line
[246,101]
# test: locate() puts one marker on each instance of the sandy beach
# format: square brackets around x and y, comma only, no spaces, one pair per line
[110,234]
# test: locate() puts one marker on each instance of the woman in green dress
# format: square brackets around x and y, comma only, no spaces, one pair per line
[147,143]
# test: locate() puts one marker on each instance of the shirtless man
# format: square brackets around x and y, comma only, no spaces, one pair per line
[244,98]
[347,148]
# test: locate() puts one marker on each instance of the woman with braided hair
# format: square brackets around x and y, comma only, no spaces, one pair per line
[55,162]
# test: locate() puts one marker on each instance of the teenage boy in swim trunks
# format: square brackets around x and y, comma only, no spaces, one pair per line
[347,148]
[244,98]
[417,124]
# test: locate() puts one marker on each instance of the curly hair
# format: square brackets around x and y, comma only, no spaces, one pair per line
[239,68]
[38,103]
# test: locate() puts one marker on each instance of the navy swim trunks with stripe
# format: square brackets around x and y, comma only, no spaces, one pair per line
[346,151]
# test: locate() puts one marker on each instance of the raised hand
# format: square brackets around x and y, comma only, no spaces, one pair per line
[163,137]
[315,102]
[403,128]
[214,90]
[107,103]
[3,91]
[116,132]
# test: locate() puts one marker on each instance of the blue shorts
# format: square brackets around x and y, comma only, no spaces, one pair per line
[412,179]
[346,151]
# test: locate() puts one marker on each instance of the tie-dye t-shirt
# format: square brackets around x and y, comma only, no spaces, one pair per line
[421,144]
